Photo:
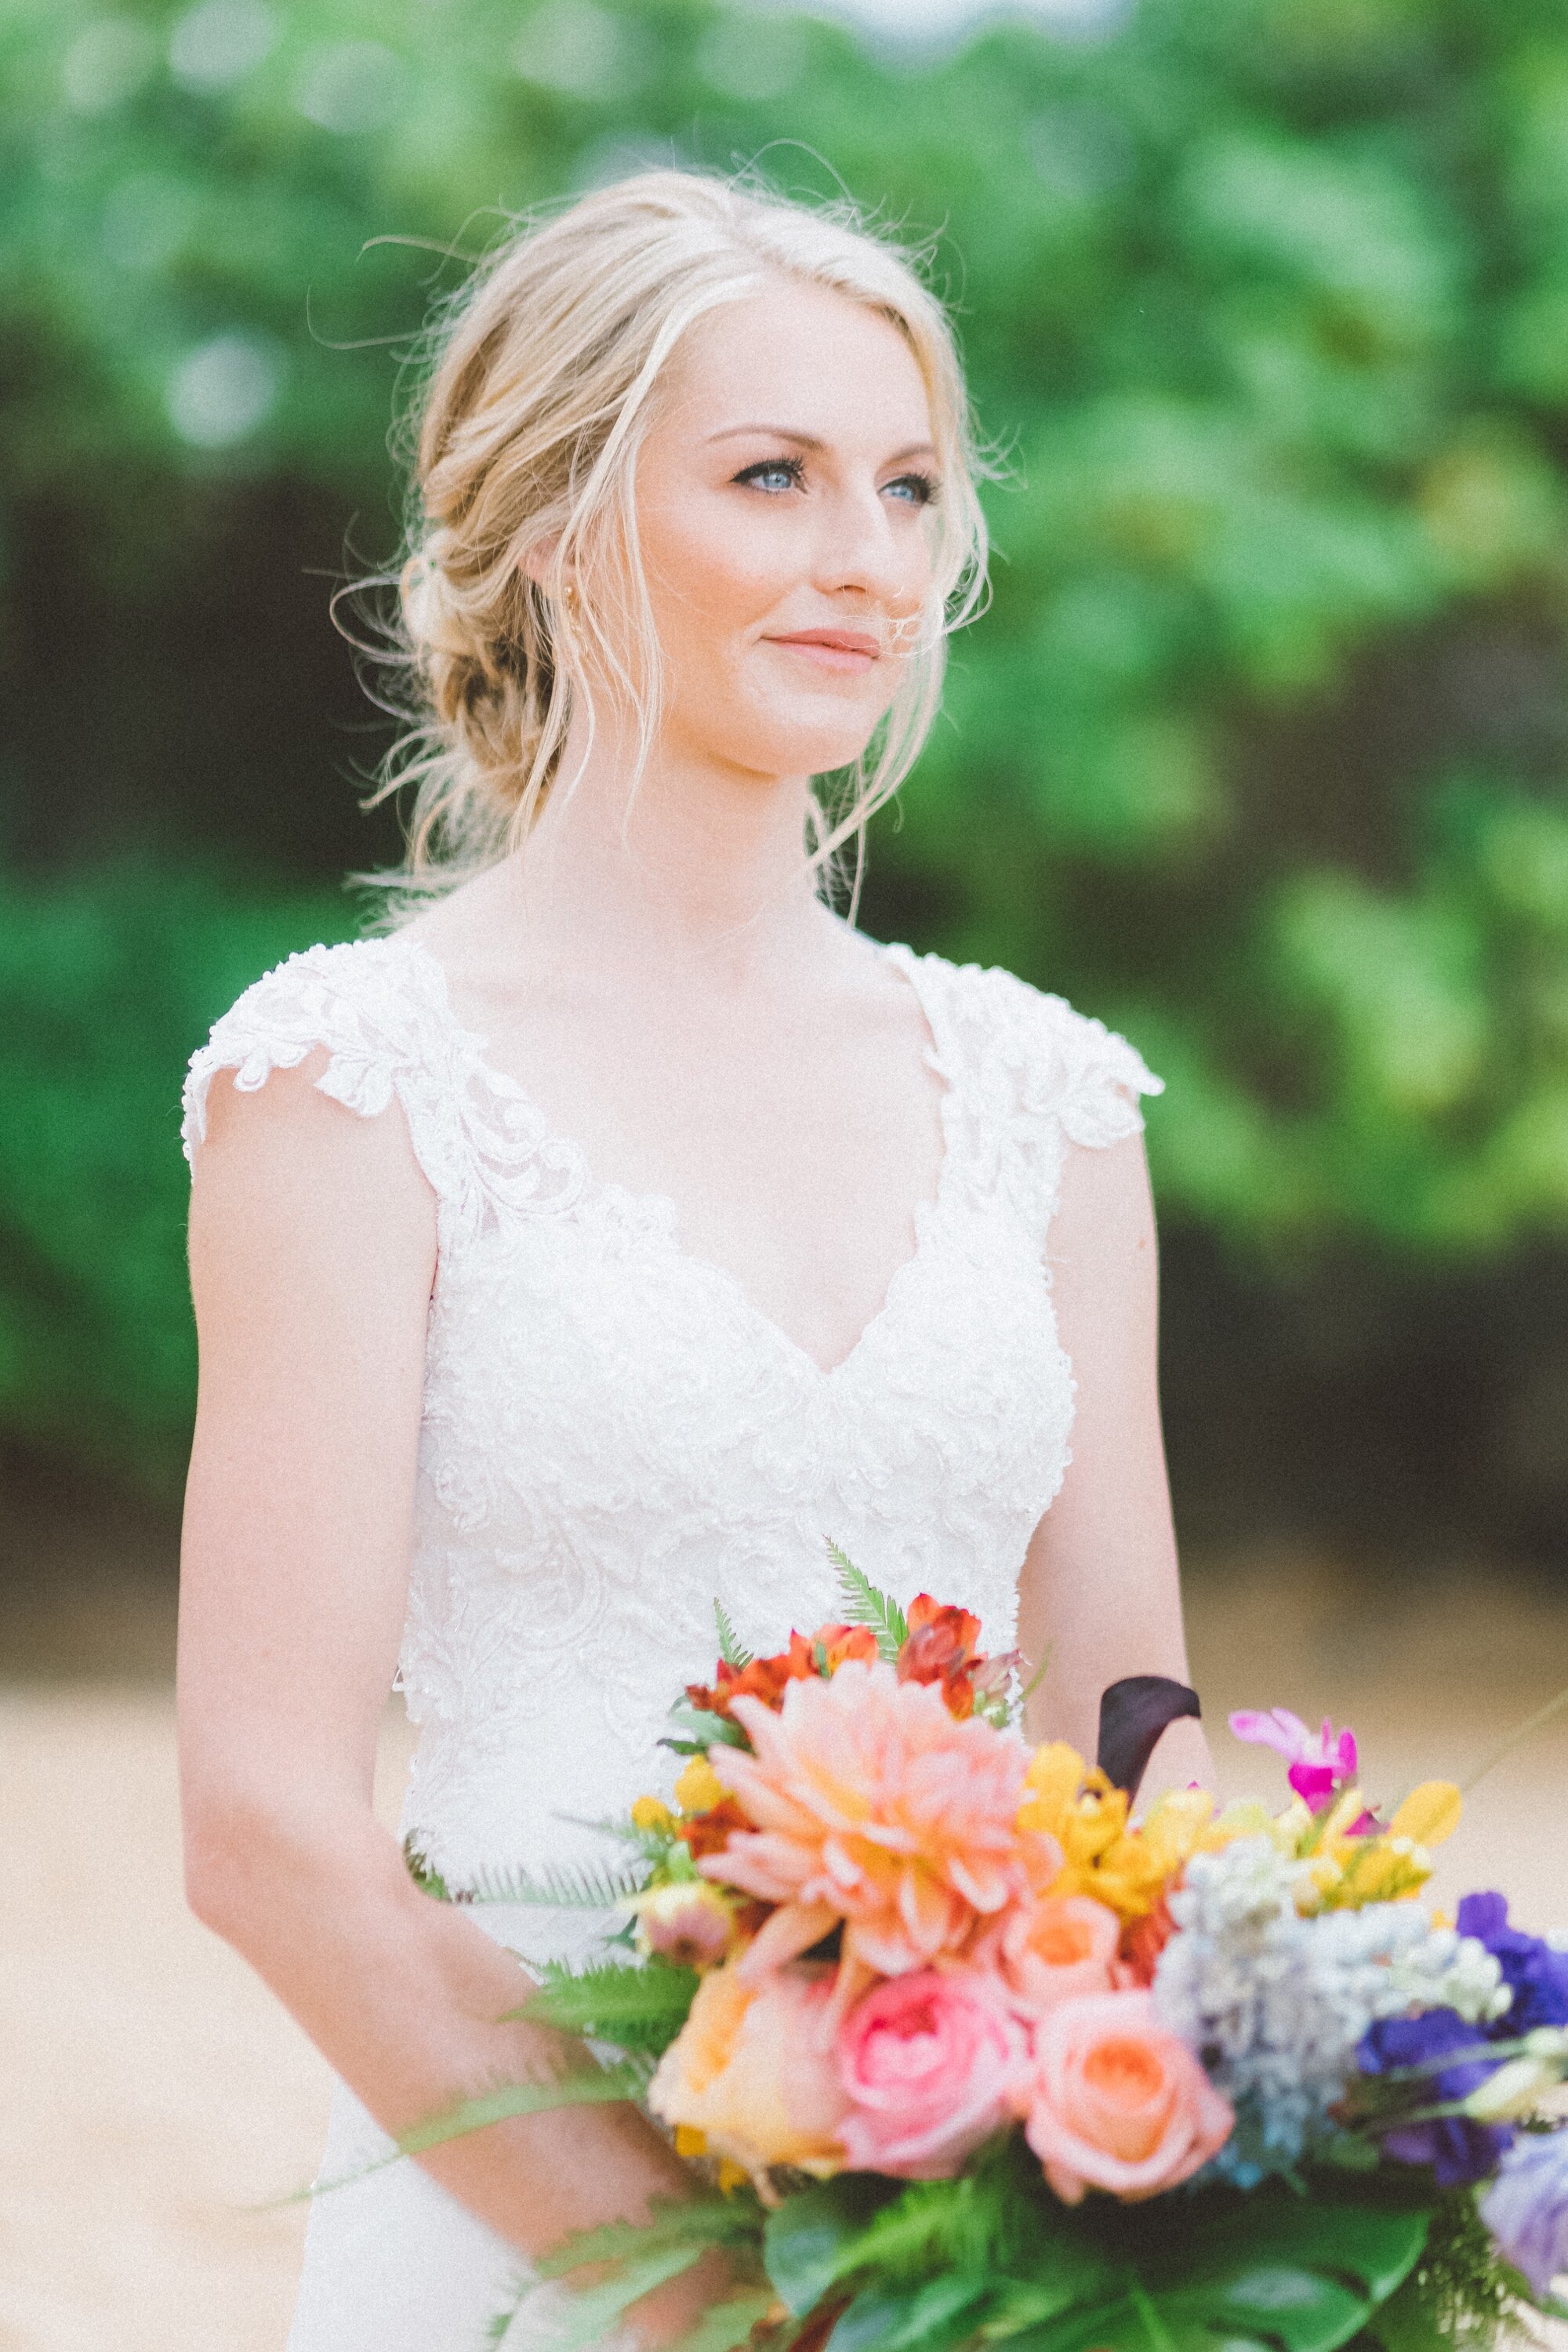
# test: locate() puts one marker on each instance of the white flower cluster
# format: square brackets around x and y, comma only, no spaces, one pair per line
[1274,2003]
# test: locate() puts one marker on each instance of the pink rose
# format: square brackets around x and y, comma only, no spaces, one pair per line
[1054,1949]
[933,2063]
[1117,2103]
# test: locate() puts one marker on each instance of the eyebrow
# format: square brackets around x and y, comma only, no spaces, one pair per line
[809,441]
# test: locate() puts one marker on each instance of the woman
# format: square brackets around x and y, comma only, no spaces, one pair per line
[624,1222]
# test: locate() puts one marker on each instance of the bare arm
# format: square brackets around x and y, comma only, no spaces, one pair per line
[1100,1592]
[312,1255]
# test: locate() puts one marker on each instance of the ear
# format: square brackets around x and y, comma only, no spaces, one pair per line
[536,563]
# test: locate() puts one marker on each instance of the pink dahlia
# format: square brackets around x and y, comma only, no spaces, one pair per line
[873,1806]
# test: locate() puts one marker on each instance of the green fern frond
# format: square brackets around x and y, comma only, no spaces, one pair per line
[724,2326]
[1461,2293]
[594,2310]
[591,2087]
[729,1648]
[934,2227]
[583,1886]
[640,2007]
[697,2221]
[865,1605]
[428,1880]
[500,2327]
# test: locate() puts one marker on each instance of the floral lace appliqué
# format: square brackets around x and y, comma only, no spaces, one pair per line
[613,1438]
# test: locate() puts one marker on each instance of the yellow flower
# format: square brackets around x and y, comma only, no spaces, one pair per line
[700,1789]
[1429,1813]
[689,2141]
[652,1813]
[1127,1867]
[1345,1870]
[1370,1870]
[1055,1774]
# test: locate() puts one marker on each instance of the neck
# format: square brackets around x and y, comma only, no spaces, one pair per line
[708,863]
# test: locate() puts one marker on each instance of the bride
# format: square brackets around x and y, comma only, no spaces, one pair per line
[622,1223]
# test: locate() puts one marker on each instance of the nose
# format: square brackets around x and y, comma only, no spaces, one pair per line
[860,548]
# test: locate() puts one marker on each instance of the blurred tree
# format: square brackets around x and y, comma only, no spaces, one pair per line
[1262,751]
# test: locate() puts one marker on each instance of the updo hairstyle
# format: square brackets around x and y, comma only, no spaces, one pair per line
[541,387]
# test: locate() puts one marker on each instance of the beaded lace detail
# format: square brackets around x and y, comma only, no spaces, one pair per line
[614,1436]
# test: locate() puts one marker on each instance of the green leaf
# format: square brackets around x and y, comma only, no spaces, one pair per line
[865,1605]
[806,2237]
[729,1648]
[935,2317]
[704,1730]
[1272,2269]
[639,2005]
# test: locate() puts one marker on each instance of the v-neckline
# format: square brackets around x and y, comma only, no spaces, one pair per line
[662,1207]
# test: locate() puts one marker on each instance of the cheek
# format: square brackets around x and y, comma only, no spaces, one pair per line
[708,577]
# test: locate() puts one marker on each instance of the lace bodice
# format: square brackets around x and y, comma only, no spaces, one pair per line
[614,1436]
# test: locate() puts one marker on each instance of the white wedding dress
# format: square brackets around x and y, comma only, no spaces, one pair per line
[614,1436]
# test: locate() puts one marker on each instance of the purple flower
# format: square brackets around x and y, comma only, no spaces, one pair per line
[1526,2206]
[1320,1763]
[1534,1973]
[1457,2150]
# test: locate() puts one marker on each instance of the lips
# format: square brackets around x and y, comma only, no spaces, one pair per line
[840,649]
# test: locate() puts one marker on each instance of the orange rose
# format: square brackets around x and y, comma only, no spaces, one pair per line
[1117,2102]
[1057,1948]
[747,2070]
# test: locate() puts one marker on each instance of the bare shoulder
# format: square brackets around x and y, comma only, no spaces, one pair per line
[291,1189]
[475,933]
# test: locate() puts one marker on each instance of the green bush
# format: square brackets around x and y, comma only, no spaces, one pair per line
[1261,752]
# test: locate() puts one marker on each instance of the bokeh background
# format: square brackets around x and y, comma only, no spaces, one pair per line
[1260,754]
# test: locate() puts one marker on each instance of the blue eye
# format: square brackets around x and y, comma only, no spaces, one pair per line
[790,467]
[923,485]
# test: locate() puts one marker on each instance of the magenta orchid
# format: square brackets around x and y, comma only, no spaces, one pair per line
[1322,1763]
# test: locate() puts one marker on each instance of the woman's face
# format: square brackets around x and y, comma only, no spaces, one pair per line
[785,508]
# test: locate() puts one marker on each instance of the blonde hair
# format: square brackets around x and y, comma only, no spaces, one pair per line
[546,365]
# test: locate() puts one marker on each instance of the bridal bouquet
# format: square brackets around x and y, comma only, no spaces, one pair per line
[961,2054]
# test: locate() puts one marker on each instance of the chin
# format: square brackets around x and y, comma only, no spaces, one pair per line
[811,747]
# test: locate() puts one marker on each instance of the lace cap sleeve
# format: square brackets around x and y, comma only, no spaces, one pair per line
[362,1007]
[1029,1074]
[1091,1077]
[380,1010]
[342,998]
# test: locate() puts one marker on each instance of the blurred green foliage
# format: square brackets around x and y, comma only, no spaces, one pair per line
[1262,751]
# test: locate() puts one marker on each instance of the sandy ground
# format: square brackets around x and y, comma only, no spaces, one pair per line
[152,2095]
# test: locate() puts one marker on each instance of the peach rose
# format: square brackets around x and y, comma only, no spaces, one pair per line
[746,2070]
[932,2064]
[1117,2102]
[1055,1949]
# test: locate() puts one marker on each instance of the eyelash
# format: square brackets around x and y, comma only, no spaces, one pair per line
[795,468]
